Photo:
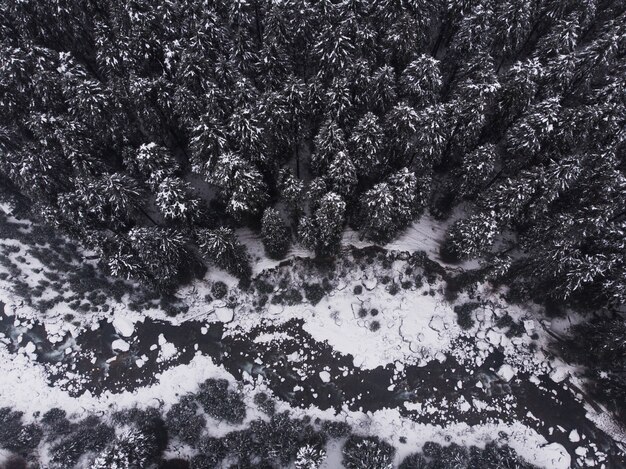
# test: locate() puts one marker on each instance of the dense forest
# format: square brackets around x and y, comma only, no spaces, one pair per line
[142,127]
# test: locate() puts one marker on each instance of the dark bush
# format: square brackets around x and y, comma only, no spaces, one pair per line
[265,403]
[264,286]
[183,421]
[314,293]
[220,402]
[89,435]
[17,437]
[276,235]
[464,315]
[15,462]
[516,329]
[504,321]
[358,289]
[175,463]
[336,430]
[212,451]
[432,450]
[219,290]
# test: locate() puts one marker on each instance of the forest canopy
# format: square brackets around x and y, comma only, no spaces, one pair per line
[141,126]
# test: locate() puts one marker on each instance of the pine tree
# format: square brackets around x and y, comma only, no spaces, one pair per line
[175,200]
[323,230]
[114,196]
[401,127]
[366,145]
[221,247]
[530,134]
[165,269]
[421,81]
[275,234]
[310,457]
[153,163]
[389,206]
[241,184]
[291,189]
[477,170]
[382,89]
[132,450]
[328,143]
[367,453]
[342,174]
[470,237]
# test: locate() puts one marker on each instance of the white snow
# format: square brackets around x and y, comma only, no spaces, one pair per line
[123,326]
[506,372]
[574,437]
[120,345]
[324,376]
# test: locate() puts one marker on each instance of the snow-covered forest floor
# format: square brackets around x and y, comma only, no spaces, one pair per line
[377,339]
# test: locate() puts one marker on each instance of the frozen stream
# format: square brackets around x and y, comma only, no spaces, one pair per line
[306,372]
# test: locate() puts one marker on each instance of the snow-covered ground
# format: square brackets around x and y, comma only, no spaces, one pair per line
[361,317]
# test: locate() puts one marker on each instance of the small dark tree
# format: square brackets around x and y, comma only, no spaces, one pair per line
[276,236]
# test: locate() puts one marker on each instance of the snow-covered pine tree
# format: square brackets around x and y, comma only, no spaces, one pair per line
[310,457]
[389,206]
[152,163]
[470,237]
[341,174]
[163,269]
[366,144]
[275,234]
[132,450]
[241,183]
[421,81]
[401,126]
[382,92]
[322,231]
[367,453]
[175,200]
[329,141]
[221,247]
[477,170]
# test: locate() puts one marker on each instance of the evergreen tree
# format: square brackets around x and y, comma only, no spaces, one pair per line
[322,231]
[164,269]
[153,163]
[470,237]
[477,170]
[275,234]
[310,457]
[221,247]
[175,201]
[366,146]
[131,450]
[342,174]
[328,143]
[367,453]
[389,206]
[241,183]
[421,80]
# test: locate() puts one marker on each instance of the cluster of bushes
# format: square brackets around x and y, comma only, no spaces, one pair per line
[436,456]
[276,441]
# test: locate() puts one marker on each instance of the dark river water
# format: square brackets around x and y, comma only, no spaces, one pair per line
[98,368]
